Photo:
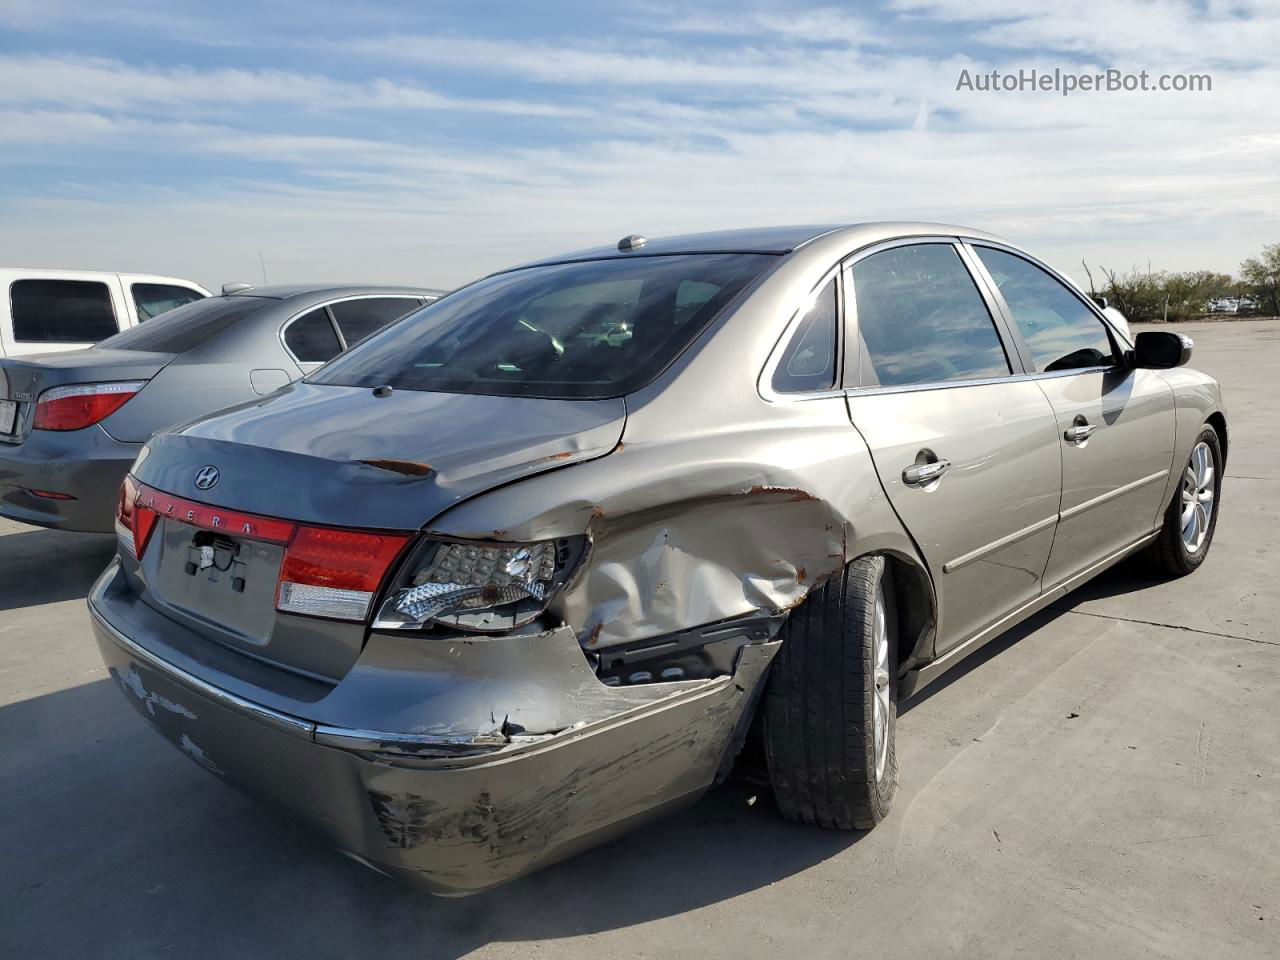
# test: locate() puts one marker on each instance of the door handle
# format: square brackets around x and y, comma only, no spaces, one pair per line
[1079,432]
[919,474]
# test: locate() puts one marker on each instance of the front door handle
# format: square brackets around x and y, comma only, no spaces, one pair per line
[921,473]
[1080,431]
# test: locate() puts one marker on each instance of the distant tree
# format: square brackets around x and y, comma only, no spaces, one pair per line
[1136,294]
[1152,296]
[1262,274]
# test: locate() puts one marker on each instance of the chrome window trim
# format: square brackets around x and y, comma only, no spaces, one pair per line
[1006,340]
[764,383]
[983,382]
[421,299]
[1118,340]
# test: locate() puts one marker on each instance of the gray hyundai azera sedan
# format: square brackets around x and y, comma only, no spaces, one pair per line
[71,423]
[527,568]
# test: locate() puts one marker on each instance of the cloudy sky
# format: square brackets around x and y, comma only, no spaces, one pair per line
[433,141]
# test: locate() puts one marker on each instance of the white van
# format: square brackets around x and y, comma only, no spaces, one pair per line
[46,310]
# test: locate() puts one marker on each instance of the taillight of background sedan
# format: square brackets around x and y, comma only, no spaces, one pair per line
[72,422]
[529,567]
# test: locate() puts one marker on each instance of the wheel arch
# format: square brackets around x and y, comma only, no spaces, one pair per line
[916,603]
[1219,423]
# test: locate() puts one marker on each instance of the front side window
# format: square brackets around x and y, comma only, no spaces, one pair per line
[153,299]
[61,311]
[311,337]
[809,362]
[1062,333]
[591,330]
[922,320]
[359,318]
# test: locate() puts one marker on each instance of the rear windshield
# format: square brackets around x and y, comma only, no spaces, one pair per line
[185,327]
[573,331]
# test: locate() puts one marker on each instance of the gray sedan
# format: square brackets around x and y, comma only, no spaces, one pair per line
[71,423]
[528,568]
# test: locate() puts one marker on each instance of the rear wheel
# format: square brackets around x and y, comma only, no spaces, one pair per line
[829,711]
[1187,531]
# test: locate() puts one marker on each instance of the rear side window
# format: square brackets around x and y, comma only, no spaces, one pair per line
[61,311]
[359,318]
[922,320]
[153,299]
[1061,331]
[589,330]
[311,338]
[186,327]
[809,362]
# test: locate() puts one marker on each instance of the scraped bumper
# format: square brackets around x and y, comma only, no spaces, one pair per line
[458,818]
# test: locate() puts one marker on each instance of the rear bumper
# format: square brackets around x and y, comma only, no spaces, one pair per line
[456,817]
[85,464]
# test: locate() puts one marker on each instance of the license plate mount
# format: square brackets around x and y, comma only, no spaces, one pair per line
[8,416]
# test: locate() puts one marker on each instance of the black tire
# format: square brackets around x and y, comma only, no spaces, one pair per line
[819,706]
[1169,554]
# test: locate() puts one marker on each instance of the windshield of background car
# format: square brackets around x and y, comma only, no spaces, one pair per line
[185,327]
[589,330]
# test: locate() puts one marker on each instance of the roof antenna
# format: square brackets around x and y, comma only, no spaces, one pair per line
[264,268]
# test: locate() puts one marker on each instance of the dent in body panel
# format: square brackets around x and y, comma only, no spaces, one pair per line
[486,824]
[710,525]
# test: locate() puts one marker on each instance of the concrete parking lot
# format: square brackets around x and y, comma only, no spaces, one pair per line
[1103,781]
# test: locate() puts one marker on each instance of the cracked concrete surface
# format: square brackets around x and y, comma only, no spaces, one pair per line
[1103,781]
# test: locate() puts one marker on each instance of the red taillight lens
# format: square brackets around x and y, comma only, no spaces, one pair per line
[335,573]
[82,405]
[326,572]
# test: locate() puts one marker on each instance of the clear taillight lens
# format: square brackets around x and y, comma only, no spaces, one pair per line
[126,503]
[335,573]
[482,586]
[134,522]
[82,405]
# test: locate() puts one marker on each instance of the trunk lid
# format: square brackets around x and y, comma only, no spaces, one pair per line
[340,456]
[337,457]
[23,379]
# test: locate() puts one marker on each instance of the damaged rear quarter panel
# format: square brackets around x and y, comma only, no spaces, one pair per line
[717,503]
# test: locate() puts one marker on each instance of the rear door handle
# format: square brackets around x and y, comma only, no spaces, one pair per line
[922,473]
[1079,432]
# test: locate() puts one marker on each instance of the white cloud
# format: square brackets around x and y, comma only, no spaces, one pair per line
[705,121]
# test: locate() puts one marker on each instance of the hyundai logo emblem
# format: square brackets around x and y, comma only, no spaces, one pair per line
[206,477]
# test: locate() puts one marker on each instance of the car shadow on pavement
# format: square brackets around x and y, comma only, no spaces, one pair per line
[117,845]
[46,566]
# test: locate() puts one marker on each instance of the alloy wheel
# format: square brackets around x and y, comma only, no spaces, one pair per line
[880,725]
[1197,498]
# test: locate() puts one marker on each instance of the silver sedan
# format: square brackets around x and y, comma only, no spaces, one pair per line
[71,423]
[530,567]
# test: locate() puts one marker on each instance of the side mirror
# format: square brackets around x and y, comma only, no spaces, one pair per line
[1100,301]
[1159,350]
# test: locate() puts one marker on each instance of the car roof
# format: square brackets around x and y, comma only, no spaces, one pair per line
[765,240]
[324,291]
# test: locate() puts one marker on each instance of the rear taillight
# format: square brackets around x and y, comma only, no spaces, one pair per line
[325,572]
[82,405]
[134,522]
[335,573]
